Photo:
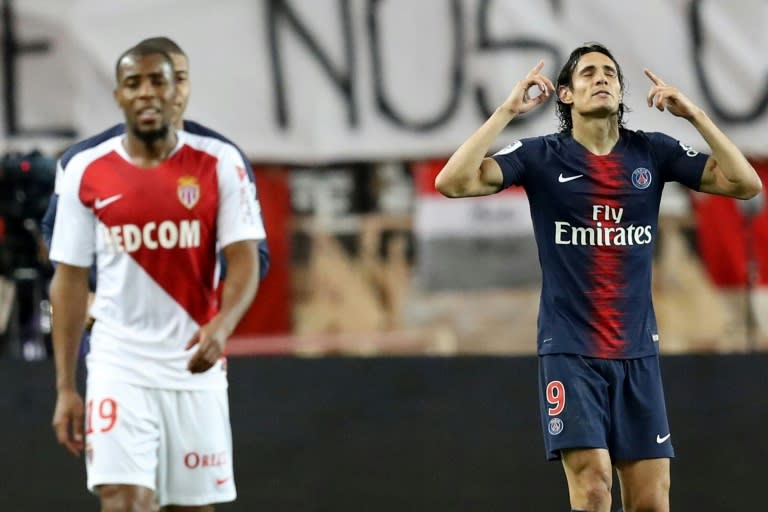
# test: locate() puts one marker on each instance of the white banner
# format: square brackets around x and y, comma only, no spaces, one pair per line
[307,81]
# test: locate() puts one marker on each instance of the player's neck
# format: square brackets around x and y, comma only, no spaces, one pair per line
[597,135]
[149,153]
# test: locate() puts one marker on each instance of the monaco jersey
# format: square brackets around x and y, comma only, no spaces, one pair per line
[154,235]
[594,220]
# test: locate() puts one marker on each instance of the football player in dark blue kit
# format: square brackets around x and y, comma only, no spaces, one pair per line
[594,190]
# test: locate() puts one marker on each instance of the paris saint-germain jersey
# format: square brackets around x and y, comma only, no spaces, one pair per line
[595,220]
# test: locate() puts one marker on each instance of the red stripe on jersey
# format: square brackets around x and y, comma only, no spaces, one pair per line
[606,275]
[164,218]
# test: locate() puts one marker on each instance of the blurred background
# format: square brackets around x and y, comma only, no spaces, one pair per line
[348,109]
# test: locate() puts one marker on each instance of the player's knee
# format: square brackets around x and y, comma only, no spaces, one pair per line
[594,487]
[597,497]
[122,498]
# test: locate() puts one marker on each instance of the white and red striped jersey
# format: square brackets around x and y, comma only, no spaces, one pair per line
[154,234]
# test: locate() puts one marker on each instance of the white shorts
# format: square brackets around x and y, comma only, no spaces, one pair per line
[176,442]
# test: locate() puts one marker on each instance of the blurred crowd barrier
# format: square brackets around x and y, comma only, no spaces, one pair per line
[367,259]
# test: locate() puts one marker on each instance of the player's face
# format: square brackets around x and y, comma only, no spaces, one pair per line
[595,90]
[146,92]
[181,69]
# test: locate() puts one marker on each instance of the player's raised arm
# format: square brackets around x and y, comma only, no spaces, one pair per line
[468,172]
[727,172]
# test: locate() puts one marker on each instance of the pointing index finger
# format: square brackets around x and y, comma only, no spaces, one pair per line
[537,68]
[656,80]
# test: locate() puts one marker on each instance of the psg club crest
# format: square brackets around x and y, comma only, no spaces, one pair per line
[641,178]
[555,426]
[188,191]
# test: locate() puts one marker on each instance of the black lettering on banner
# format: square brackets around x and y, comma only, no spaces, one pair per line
[456,74]
[486,42]
[280,13]
[12,51]
[697,39]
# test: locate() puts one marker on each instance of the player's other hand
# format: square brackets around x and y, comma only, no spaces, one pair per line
[664,96]
[68,420]
[520,99]
[210,341]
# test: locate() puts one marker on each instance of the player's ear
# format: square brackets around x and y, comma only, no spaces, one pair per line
[564,94]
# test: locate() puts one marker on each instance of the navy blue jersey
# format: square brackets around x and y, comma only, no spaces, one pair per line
[189,126]
[594,219]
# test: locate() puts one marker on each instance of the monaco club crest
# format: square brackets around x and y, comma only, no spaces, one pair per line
[188,191]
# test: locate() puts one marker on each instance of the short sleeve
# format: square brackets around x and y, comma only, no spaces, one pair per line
[511,165]
[677,161]
[239,212]
[74,231]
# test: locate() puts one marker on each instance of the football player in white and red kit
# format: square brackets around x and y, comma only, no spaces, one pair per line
[183,92]
[152,205]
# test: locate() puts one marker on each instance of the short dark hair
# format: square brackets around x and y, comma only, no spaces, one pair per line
[565,79]
[141,50]
[164,43]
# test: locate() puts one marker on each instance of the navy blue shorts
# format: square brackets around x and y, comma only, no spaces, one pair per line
[616,404]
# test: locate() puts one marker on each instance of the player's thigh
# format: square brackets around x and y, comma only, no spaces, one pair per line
[587,464]
[196,465]
[645,484]
[121,434]
[573,403]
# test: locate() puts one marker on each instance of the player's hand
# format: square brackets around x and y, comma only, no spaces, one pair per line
[520,100]
[68,420]
[664,96]
[210,341]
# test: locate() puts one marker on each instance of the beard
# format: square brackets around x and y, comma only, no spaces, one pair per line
[150,136]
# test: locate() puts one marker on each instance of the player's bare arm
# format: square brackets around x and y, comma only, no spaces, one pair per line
[469,172]
[727,172]
[69,296]
[239,290]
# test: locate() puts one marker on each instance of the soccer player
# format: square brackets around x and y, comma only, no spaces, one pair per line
[594,190]
[152,205]
[181,66]
[183,87]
